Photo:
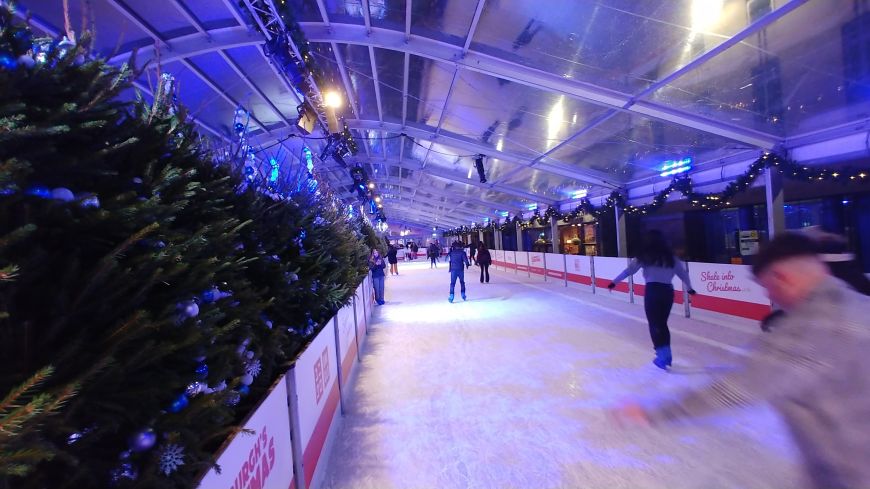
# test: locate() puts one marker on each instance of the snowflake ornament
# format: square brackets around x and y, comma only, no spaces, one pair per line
[253,368]
[171,458]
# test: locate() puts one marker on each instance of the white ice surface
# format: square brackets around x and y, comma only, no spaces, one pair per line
[509,390]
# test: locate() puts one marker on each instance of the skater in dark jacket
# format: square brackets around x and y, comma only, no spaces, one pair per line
[377,266]
[392,257]
[484,260]
[458,263]
[433,252]
[659,267]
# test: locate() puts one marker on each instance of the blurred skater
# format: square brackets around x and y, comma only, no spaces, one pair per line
[814,370]
[393,259]
[659,266]
[458,263]
[484,260]
[432,253]
[377,266]
[833,250]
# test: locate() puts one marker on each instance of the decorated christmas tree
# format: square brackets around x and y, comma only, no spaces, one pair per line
[147,296]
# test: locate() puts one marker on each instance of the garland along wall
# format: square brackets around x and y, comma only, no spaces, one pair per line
[149,296]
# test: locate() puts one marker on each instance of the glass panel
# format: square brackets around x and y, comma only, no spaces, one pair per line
[254,65]
[388,13]
[345,11]
[513,117]
[359,70]
[445,20]
[808,70]
[613,43]
[391,69]
[540,183]
[385,144]
[211,17]
[630,146]
[428,82]
[303,10]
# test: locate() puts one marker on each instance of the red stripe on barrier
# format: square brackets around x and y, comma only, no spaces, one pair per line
[603,283]
[640,289]
[538,271]
[347,363]
[556,274]
[313,451]
[523,268]
[749,310]
[580,279]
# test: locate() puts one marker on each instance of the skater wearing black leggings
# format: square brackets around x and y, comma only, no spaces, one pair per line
[484,260]
[659,266]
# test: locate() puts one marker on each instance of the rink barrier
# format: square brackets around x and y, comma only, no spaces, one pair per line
[721,288]
[296,423]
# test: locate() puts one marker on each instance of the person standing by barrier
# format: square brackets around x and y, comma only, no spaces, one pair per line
[432,252]
[813,370]
[484,260]
[377,266]
[393,259]
[472,249]
[458,263]
[659,266]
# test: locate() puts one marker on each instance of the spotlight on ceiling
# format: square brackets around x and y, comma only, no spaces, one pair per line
[371,184]
[333,100]
[478,163]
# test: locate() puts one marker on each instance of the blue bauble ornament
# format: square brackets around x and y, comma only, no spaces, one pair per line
[249,170]
[244,390]
[143,440]
[208,296]
[178,404]
[188,309]
[239,127]
[303,234]
[63,194]
[202,370]
[8,61]
[246,379]
[39,191]
[26,60]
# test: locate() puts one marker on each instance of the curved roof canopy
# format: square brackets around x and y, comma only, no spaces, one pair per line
[561,96]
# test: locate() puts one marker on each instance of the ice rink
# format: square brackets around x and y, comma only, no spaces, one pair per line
[510,390]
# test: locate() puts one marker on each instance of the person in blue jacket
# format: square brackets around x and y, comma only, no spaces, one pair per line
[659,267]
[458,263]
[377,266]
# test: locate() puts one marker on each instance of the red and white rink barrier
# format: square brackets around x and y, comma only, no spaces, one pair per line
[723,289]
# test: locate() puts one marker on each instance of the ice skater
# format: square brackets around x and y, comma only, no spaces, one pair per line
[393,259]
[484,260]
[659,266]
[458,263]
[433,252]
[377,266]
[813,370]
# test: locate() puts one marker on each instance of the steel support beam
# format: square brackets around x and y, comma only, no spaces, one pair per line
[508,70]
[473,28]
[474,146]
[404,183]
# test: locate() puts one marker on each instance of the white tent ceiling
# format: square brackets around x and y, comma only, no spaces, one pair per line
[561,96]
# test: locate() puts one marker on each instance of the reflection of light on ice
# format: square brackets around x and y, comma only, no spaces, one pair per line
[510,389]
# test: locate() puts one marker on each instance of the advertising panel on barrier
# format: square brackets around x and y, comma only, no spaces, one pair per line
[522,261]
[555,265]
[498,257]
[606,269]
[536,263]
[317,392]
[728,289]
[361,319]
[510,259]
[579,269]
[346,339]
[640,287]
[262,458]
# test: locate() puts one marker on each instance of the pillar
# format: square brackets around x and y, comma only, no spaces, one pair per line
[775,202]
[621,234]
[554,232]
[498,244]
[519,237]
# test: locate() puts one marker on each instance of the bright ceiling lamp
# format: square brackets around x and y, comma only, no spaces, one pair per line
[555,119]
[377,199]
[332,99]
[705,14]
